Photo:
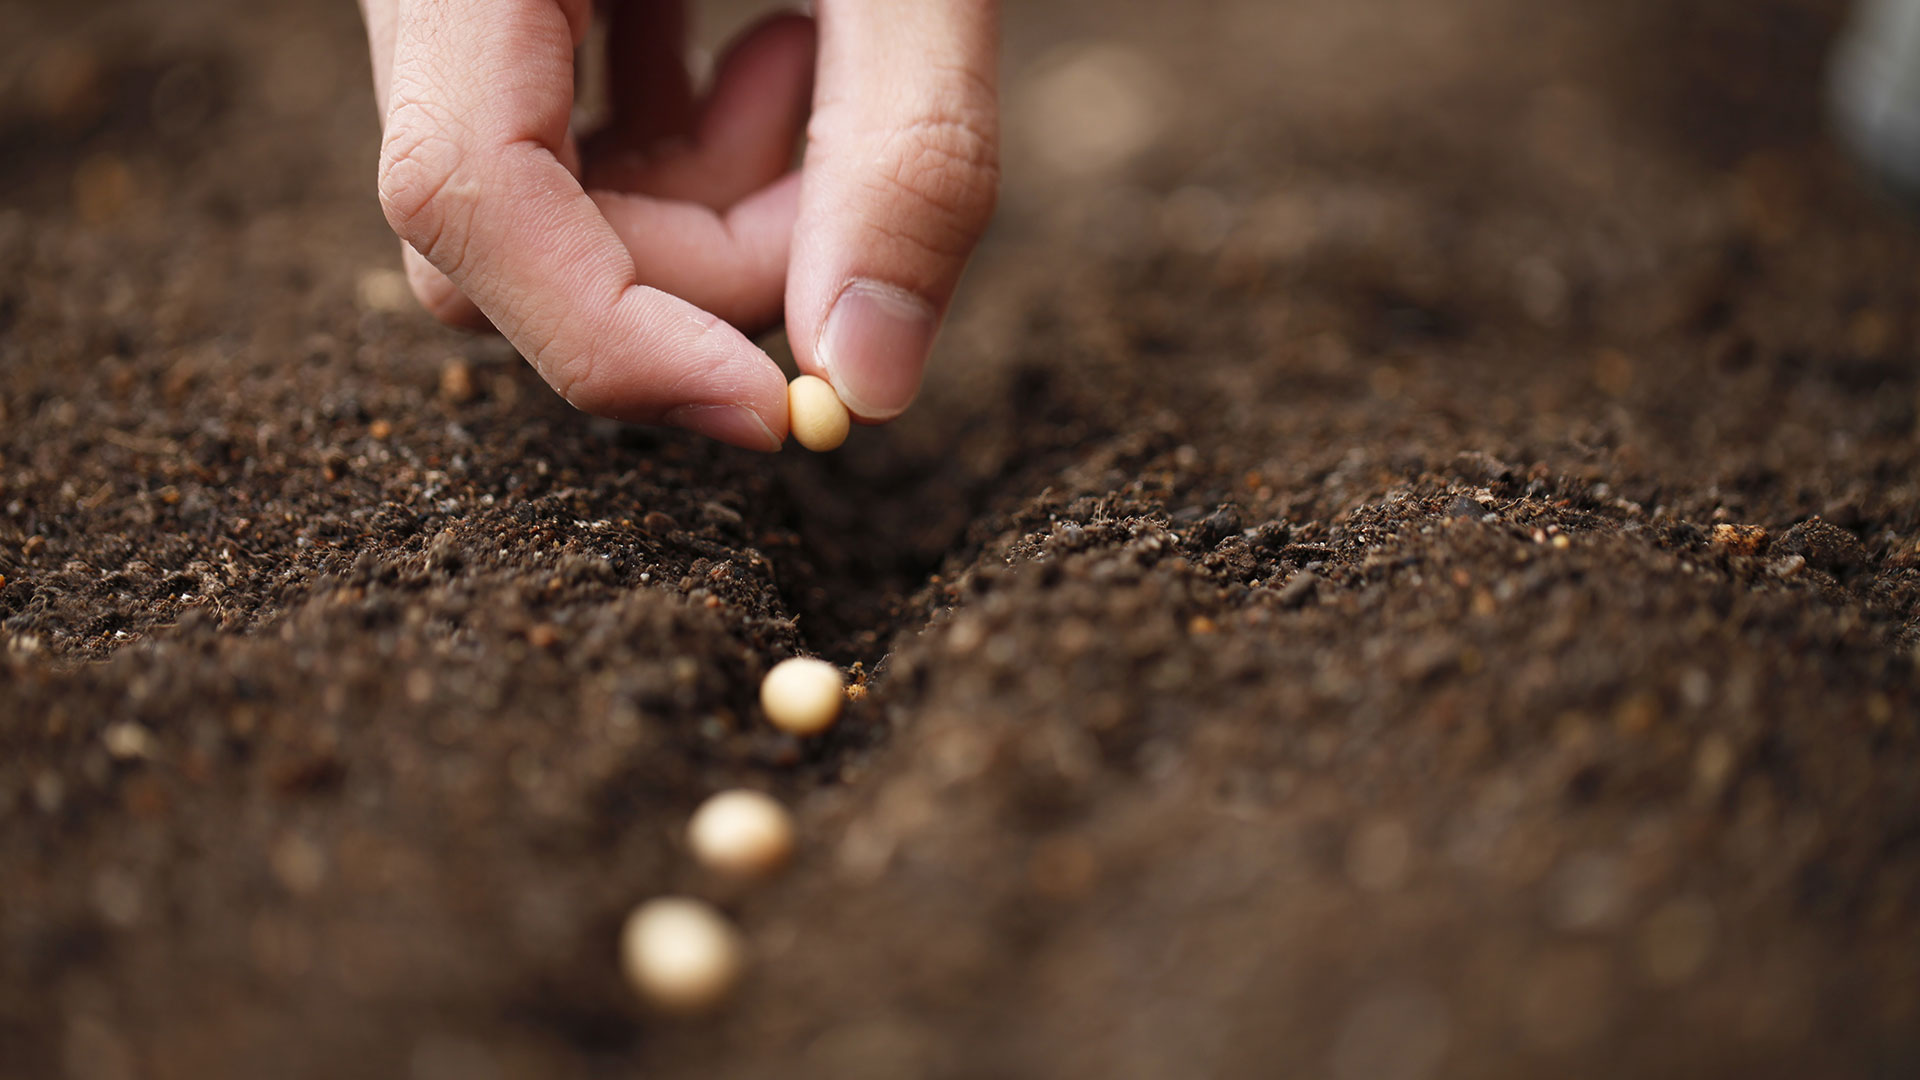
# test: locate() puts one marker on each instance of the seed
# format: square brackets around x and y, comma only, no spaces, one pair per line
[743,834]
[803,696]
[681,954]
[814,412]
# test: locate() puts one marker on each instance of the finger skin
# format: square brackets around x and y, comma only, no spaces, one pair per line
[901,176]
[733,264]
[472,176]
[430,286]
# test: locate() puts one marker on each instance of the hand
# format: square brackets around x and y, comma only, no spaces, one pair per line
[621,264]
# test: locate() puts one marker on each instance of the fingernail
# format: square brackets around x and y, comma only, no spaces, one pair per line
[733,424]
[874,348]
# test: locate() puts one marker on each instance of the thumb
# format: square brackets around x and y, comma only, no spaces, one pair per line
[902,172]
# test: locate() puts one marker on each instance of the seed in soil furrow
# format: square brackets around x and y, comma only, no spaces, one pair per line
[803,696]
[681,954]
[742,834]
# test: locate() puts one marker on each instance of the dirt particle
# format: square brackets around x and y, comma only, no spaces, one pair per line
[380,430]
[298,864]
[127,740]
[658,523]
[1299,591]
[543,636]
[1219,525]
[102,186]
[456,382]
[1613,372]
[1587,892]
[49,792]
[1713,764]
[116,897]
[1745,540]
[1636,714]
[385,290]
[1823,545]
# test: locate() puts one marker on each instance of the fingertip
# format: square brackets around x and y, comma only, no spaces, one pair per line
[694,371]
[735,425]
[873,348]
[438,294]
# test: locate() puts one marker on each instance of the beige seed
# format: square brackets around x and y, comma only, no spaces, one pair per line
[814,412]
[803,696]
[681,954]
[742,834]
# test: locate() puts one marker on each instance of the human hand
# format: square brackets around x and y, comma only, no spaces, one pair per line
[624,265]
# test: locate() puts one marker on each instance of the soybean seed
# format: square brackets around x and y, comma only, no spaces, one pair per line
[681,954]
[742,834]
[803,696]
[814,412]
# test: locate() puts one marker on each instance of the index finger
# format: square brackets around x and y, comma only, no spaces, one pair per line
[471,175]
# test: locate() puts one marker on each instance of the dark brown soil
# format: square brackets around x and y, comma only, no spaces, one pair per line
[1298,632]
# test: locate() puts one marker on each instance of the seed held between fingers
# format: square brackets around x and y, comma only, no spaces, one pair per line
[742,834]
[815,414]
[803,696]
[682,954]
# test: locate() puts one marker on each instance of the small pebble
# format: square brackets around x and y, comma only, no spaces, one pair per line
[681,954]
[742,834]
[1740,539]
[803,696]
[814,412]
[127,740]
[456,381]
[1822,545]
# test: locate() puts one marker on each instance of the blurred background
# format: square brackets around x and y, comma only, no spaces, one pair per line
[1423,343]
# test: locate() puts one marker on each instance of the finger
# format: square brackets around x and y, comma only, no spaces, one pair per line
[731,263]
[753,118]
[470,176]
[442,299]
[746,132]
[430,286]
[902,171]
[649,90]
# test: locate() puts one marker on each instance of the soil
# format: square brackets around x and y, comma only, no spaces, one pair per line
[1407,567]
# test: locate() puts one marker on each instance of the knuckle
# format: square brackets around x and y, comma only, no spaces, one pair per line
[571,372]
[948,167]
[420,181]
